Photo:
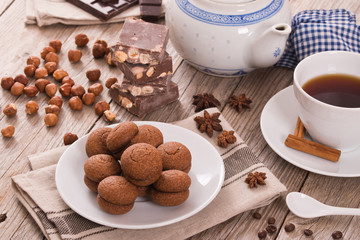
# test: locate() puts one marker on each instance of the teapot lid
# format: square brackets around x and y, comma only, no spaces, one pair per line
[230,12]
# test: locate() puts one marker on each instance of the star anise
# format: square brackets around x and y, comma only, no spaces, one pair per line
[226,138]
[203,101]
[209,123]
[255,179]
[239,102]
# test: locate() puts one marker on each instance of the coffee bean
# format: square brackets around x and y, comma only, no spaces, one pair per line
[271,229]
[271,220]
[337,235]
[262,234]
[289,227]
[308,232]
[256,215]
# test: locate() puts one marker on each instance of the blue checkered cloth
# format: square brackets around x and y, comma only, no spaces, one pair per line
[320,30]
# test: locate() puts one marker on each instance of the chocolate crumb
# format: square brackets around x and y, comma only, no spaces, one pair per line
[256,215]
[2,217]
[308,232]
[337,235]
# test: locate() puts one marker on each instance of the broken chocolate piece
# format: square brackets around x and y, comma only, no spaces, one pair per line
[141,42]
[143,73]
[140,105]
[150,13]
[104,9]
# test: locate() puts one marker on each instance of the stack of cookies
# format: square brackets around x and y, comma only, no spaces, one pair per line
[140,54]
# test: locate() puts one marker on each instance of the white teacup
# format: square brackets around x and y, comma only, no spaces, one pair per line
[337,127]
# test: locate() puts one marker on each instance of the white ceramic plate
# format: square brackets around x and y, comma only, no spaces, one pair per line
[207,176]
[278,120]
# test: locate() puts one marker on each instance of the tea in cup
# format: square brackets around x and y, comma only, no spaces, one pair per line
[327,90]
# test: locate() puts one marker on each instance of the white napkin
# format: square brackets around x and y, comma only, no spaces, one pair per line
[47,12]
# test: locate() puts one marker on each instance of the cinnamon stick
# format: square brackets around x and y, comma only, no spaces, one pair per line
[299,129]
[313,148]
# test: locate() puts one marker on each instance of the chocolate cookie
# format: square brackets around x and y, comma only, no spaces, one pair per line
[113,208]
[143,191]
[100,166]
[117,190]
[175,155]
[148,134]
[120,136]
[172,181]
[91,184]
[141,161]
[141,182]
[96,142]
[168,199]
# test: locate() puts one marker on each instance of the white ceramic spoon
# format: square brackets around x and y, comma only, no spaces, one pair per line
[305,206]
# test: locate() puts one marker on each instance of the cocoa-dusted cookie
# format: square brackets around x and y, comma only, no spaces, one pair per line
[96,142]
[143,191]
[173,181]
[117,190]
[148,134]
[120,136]
[141,161]
[91,184]
[175,155]
[100,166]
[169,199]
[113,208]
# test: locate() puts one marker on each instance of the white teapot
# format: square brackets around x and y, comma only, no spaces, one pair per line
[229,37]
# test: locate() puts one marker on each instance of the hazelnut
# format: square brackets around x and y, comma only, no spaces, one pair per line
[110,81]
[59,74]
[121,56]
[96,89]
[69,138]
[56,100]
[77,90]
[74,55]
[50,67]
[52,109]
[109,60]
[93,74]
[21,79]
[33,60]
[81,40]
[51,89]
[17,89]
[31,91]
[65,89]
[88,99]
[50,119]
[10,110]
[7,82]
[75,103]
[56,45]
[52,57]
[41,73]
[102,42]
[45,51]
[68,79]
[8,131]
[29,70]
[31,107]
[41,83]
[109,116]
[101,107]
[98,50]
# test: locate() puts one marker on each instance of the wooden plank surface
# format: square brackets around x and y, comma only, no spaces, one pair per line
[18,41]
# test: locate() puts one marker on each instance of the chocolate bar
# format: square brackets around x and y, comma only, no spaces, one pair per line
[143,73]
[150,10]
[151,88]
[140,105]
[104,9]
[141,42]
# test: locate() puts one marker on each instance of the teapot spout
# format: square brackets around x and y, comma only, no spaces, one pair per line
[268,47]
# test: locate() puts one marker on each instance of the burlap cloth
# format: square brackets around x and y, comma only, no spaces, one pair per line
[37,191]
[47,12]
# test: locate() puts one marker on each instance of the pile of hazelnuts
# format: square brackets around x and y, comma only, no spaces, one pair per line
[68,89]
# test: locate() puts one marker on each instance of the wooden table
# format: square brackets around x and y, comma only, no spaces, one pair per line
[18,41]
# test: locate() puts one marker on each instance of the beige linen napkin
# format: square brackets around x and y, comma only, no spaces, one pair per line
[37,191]
[47,12]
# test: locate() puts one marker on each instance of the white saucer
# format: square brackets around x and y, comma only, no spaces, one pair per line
[278,120]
